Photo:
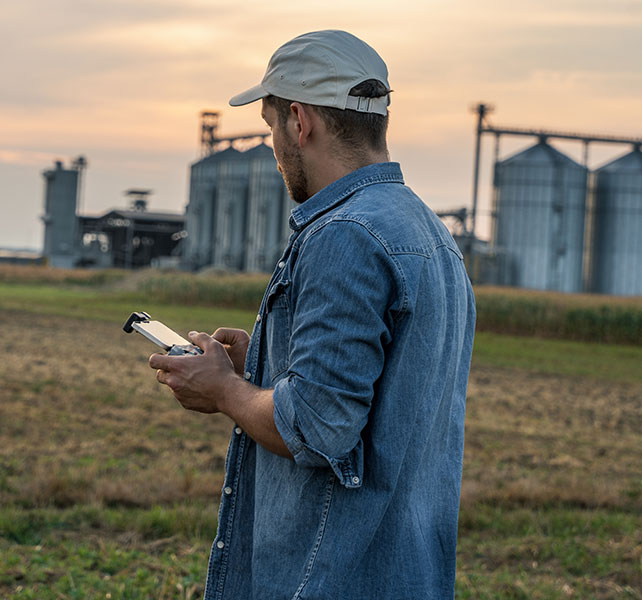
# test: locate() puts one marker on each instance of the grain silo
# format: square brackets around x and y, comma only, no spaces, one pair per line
[287,206]
[61,242]
[230,214]
[616,250]
[540,198]
[200,210]
[265,211]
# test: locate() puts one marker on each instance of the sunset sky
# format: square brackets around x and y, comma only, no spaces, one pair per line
[123,82]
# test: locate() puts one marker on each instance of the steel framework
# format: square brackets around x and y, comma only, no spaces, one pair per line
[485,127]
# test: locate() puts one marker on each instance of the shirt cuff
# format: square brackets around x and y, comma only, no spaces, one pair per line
[347,468]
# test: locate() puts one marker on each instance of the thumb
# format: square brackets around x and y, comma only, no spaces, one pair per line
[202,340]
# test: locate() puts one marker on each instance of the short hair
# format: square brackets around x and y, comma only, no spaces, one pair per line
[351,128]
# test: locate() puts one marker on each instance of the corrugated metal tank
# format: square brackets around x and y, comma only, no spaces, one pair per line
[61,196]
[238,210]
[199,212]
[287,206]
[616,252]
[230,213]
[265,211]
[540,200]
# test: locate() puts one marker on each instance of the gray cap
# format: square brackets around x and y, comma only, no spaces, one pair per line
[320,68]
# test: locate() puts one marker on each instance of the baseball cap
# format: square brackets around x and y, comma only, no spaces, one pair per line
[321,68]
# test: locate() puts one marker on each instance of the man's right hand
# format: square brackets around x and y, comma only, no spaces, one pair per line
[236,342]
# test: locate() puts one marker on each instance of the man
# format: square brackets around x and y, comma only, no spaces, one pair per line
[344,468]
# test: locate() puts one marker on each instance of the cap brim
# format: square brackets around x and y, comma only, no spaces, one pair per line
[252,95]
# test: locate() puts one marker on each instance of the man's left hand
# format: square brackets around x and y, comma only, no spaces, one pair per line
[199,382]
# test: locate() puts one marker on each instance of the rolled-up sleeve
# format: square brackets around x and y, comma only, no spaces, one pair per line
[343,285]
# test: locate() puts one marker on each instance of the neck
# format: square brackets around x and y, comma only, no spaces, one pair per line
[325,169]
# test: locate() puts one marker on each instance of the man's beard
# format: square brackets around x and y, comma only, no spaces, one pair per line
[294,175]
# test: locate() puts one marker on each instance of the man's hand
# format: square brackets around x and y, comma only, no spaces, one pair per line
[236,342]
[202,382]
[208,383]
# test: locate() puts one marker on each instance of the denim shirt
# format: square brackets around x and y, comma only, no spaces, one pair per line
[365,333]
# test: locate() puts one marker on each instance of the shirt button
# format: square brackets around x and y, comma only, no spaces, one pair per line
[238,430]
[258,318]
[228,490]
[247,375]
[220,545]
[281,265]
[355,480]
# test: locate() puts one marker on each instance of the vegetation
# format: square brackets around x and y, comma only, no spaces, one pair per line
[579,317]
[583,317]
[108,489]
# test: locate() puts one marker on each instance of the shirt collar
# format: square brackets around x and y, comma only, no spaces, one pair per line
[335,193]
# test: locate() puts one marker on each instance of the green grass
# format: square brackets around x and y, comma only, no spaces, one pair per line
[109,490]
[97,552]
[608,361]
[547,553]
[93,552]
[512,311]
[115,307]
[561,357]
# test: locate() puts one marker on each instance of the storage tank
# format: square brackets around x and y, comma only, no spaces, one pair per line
[540,199]
[265,241]
[199,214]
[616,252]
[230,210]
[61,198]
[287,206]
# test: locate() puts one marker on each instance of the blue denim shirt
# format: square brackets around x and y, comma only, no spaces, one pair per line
[365,333]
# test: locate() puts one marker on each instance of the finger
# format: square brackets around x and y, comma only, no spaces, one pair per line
[162,376]
[167,379]
[227,335]
[224,335]
[202,340]
[160,361]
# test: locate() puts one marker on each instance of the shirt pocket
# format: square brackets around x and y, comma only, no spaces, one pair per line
[277,328]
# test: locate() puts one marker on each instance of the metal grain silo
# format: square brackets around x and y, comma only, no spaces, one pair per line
[200,210]
[230,214]
[61,198]
[265,211]
[540,199]
[287,206]
[616,250]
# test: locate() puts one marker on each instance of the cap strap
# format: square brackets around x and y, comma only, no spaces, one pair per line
[368,105]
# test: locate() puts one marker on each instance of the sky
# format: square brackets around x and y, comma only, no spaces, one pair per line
[123,82]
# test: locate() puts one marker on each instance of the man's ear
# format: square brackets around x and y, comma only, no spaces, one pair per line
[302,122]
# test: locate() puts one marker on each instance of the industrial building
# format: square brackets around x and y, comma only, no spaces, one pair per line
[237,215]
[616,250]
[558,226]
[126,238]
[236,218]
[540,205]
[61,226]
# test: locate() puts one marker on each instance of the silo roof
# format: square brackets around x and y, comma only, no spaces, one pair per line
[260,151]
[216,156]
[542,153]
[629,162]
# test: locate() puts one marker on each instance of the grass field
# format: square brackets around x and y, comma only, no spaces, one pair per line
[108,489]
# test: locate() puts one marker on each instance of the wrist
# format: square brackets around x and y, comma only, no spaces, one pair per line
[231,388]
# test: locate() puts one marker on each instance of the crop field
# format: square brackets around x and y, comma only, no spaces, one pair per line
[109,489]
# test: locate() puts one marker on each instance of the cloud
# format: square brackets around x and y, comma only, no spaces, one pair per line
[26,157]
[123,81]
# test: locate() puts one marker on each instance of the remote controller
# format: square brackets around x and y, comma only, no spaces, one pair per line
[160,334]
